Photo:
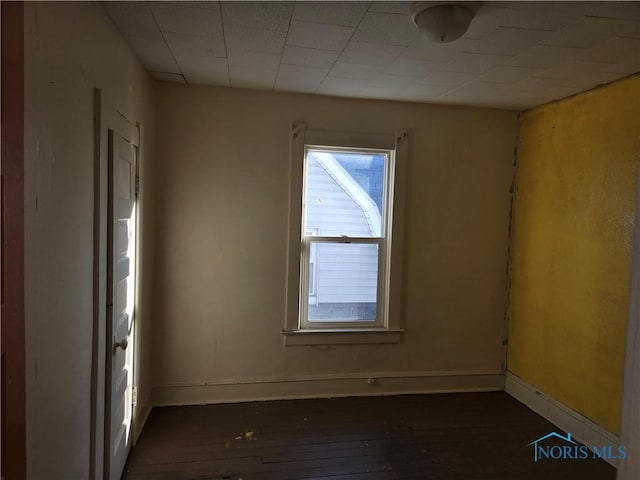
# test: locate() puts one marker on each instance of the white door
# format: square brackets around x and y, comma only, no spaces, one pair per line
[121,248]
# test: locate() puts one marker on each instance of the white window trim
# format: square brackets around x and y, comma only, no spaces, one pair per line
[391,330]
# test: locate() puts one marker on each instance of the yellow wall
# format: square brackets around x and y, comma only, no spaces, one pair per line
[572,248]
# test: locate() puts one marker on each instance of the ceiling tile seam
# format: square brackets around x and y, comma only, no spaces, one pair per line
[396,57]
[459,87]
[258,29]
[224,41]
[310,48]
[288,64]
[597,62]
[314,49]
[201,56]
[621,19]
[632,37]
[341,77]
[495,82]
[166,73]
[521,67]
[429,72]
[155,20]
[392,62]
[434,84]
[542,77]
[373,12]
[183,4]
[399,75]
[414,60]
[232,24]
[502,7]
[485,54]
[342,51]
[284,46]
[528,29]
[324,25]
[440,68]
[197,35]
[550,45]
[189,7]
[364,12]
[194,4]
[251,50]
[305,67]
[374,44]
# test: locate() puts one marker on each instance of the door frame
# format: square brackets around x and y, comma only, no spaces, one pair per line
[12,331]
[629,468]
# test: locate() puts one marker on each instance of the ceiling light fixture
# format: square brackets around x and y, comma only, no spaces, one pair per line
[443,22]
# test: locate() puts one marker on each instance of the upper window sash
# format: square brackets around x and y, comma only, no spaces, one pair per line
[324,160]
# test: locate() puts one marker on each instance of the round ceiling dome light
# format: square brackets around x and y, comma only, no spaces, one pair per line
[443,22]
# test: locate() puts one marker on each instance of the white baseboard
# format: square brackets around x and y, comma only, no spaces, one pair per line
[139,421]
[325,387]
[581,428]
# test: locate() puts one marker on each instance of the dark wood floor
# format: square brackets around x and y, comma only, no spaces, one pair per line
[450,436]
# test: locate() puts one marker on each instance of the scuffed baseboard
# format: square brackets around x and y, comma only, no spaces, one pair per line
[326,387]
[581,428]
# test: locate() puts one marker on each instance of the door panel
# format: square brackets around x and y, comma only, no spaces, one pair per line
[120,301]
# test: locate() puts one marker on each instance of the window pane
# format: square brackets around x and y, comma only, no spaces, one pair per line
[345,283]
[344,193]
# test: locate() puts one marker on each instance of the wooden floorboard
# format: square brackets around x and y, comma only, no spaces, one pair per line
[463,436]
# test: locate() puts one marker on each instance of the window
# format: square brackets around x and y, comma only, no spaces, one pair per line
[345,240]
[345,215]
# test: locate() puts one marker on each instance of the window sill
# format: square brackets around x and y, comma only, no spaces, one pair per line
[352,336]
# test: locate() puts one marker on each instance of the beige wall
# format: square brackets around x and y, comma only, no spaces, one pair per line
[70,48]
[221,247]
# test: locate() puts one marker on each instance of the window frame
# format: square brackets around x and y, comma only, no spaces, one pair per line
[390,330]
[311,292]
[382,317]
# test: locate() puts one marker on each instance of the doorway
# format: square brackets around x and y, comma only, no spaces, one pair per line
[121,296]
[115,289]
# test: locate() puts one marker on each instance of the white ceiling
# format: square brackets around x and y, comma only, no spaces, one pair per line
[515,55]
